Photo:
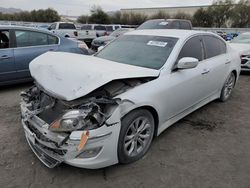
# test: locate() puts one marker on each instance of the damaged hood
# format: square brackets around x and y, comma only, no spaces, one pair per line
[71,76]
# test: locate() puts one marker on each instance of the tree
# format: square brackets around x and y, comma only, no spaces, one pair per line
[98,16]
[221,11]
[83,19]
[160,15]
[116,18]
[48,15]
[137,19]
[202,18]
[241,14]
[181,15]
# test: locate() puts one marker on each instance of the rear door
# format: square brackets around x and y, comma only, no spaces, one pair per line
[217,62]
[29,45]
[7,63]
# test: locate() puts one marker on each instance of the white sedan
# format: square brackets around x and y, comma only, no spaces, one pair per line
[242,45]
[96,111]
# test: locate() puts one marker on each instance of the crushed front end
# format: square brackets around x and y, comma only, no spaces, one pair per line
[82,133]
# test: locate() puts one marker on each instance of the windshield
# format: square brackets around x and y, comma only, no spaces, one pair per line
[67,26]
[109,28]
[139,50]
[154,24]
[244,38]
[86,27]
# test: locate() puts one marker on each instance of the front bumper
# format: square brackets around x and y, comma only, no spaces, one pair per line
[245,63]
[53,149]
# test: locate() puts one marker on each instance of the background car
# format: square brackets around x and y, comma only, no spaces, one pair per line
[99,29]
[242,45]
[102,41]
[111,28]
[20,45]
[166,24]
[66,29]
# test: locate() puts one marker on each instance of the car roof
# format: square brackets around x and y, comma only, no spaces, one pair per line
[25,28]
[181,34]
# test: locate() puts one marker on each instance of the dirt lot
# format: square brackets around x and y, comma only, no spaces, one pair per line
[209,148]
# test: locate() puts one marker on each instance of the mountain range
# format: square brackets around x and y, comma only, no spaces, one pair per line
[9,10]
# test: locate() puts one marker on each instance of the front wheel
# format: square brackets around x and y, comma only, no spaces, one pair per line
[137,130]
[228,87]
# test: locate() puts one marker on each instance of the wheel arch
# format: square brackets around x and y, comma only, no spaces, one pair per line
[154,113]
[236,75]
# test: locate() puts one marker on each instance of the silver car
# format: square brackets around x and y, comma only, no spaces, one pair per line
[96,111]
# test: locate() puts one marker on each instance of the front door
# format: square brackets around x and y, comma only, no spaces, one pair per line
[7,61]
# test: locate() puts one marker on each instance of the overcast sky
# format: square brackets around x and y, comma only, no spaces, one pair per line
[78,7]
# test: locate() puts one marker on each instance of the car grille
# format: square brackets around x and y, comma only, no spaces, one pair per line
[46,159]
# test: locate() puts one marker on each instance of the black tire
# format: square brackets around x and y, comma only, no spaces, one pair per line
[228,87]
[129,121]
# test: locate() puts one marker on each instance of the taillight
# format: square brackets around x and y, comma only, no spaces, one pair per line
[105,33]
[75,33]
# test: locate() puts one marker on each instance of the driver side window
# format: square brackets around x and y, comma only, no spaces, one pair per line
[192,48]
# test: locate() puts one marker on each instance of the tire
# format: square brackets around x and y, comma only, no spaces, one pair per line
[136,135]
[228,87]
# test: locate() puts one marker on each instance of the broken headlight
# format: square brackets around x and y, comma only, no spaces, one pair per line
[78,120]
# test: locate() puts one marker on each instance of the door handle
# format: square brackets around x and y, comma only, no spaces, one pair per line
[228,62]
[205,71]
[4,57]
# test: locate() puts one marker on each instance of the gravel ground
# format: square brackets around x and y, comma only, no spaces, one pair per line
[209,148]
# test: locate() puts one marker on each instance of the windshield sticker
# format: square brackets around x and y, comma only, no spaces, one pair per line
[157,43]
[163,23]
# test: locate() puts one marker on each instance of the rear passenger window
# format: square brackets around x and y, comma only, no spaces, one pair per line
[67,26]
[52,39]
[30,38]
[100,28]
[214,46]
[109,28]
[192,48]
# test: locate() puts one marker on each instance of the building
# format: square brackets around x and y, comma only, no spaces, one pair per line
[190,10]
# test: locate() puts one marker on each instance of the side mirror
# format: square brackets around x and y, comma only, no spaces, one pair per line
[187,63]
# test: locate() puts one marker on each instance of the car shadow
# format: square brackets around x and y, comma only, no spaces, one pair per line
[15,87]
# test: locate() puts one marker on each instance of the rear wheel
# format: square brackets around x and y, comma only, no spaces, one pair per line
[228,87]
[137,130]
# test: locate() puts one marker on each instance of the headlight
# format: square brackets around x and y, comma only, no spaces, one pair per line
[77,120]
